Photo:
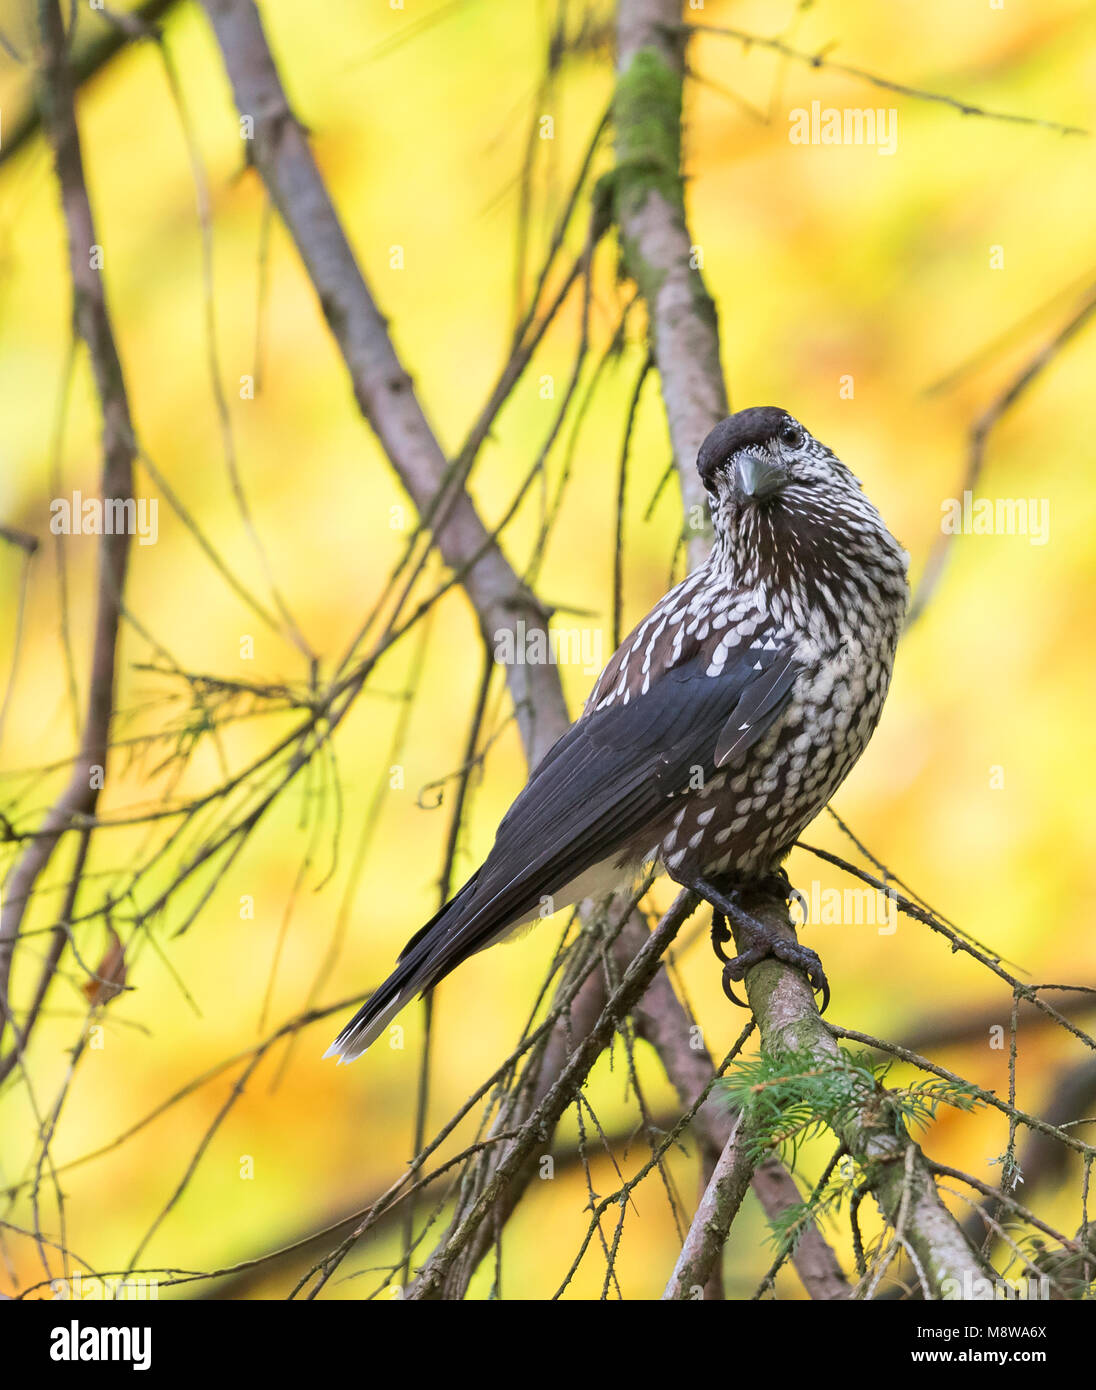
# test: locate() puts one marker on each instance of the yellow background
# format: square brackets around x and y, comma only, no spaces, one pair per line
[823,261]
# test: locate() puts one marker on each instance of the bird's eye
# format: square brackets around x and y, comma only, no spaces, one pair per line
[792,437]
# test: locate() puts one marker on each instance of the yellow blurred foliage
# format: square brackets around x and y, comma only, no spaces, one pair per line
[825,262]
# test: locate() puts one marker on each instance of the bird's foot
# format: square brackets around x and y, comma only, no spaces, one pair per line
[776,885]
[763,942]
[779,886]
[721,934]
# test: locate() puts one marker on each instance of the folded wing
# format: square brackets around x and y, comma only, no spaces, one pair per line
[606,779]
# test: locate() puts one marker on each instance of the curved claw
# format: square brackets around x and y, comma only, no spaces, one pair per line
[728,991]
[791,953]
[720,934]
[764,944]
[807,961]
[811,966]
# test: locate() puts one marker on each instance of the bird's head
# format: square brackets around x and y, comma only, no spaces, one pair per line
[763,457]
[785,509]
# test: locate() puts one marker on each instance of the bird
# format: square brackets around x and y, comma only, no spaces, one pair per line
[721,726]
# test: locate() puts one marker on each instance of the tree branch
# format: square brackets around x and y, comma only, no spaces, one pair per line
[717,1209]
[657,249]
[662,1022]
[90,58]
[887,84]
[387,399]
[979,438]
[898,1173]
[563,1090]
[92,324]
[382,387]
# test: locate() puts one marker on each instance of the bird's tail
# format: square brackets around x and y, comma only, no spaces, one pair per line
[423,962]
[375,1015]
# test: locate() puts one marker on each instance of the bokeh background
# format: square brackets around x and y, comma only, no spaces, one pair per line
[824,262]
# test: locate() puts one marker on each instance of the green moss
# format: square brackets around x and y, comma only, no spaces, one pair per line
[647,116]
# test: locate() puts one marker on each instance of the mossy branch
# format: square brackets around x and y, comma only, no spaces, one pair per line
[657,250]
[822,1085]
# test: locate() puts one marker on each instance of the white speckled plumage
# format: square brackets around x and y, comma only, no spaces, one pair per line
[815,569]
[723,723]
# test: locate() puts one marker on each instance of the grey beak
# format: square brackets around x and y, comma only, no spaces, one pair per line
[757,478]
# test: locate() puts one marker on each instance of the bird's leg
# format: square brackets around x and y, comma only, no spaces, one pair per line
[763,941]
[721,934]
[778,885]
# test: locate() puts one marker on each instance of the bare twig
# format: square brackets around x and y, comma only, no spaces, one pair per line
[21,539]
[93,324]
[887,84]
[979,438]
[91,59]
[635,981]
[658,251]
[717,1209]
[786,1013]
[383,389]
[1032,1122]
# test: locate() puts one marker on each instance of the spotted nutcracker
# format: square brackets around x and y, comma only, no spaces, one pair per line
[720,728]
